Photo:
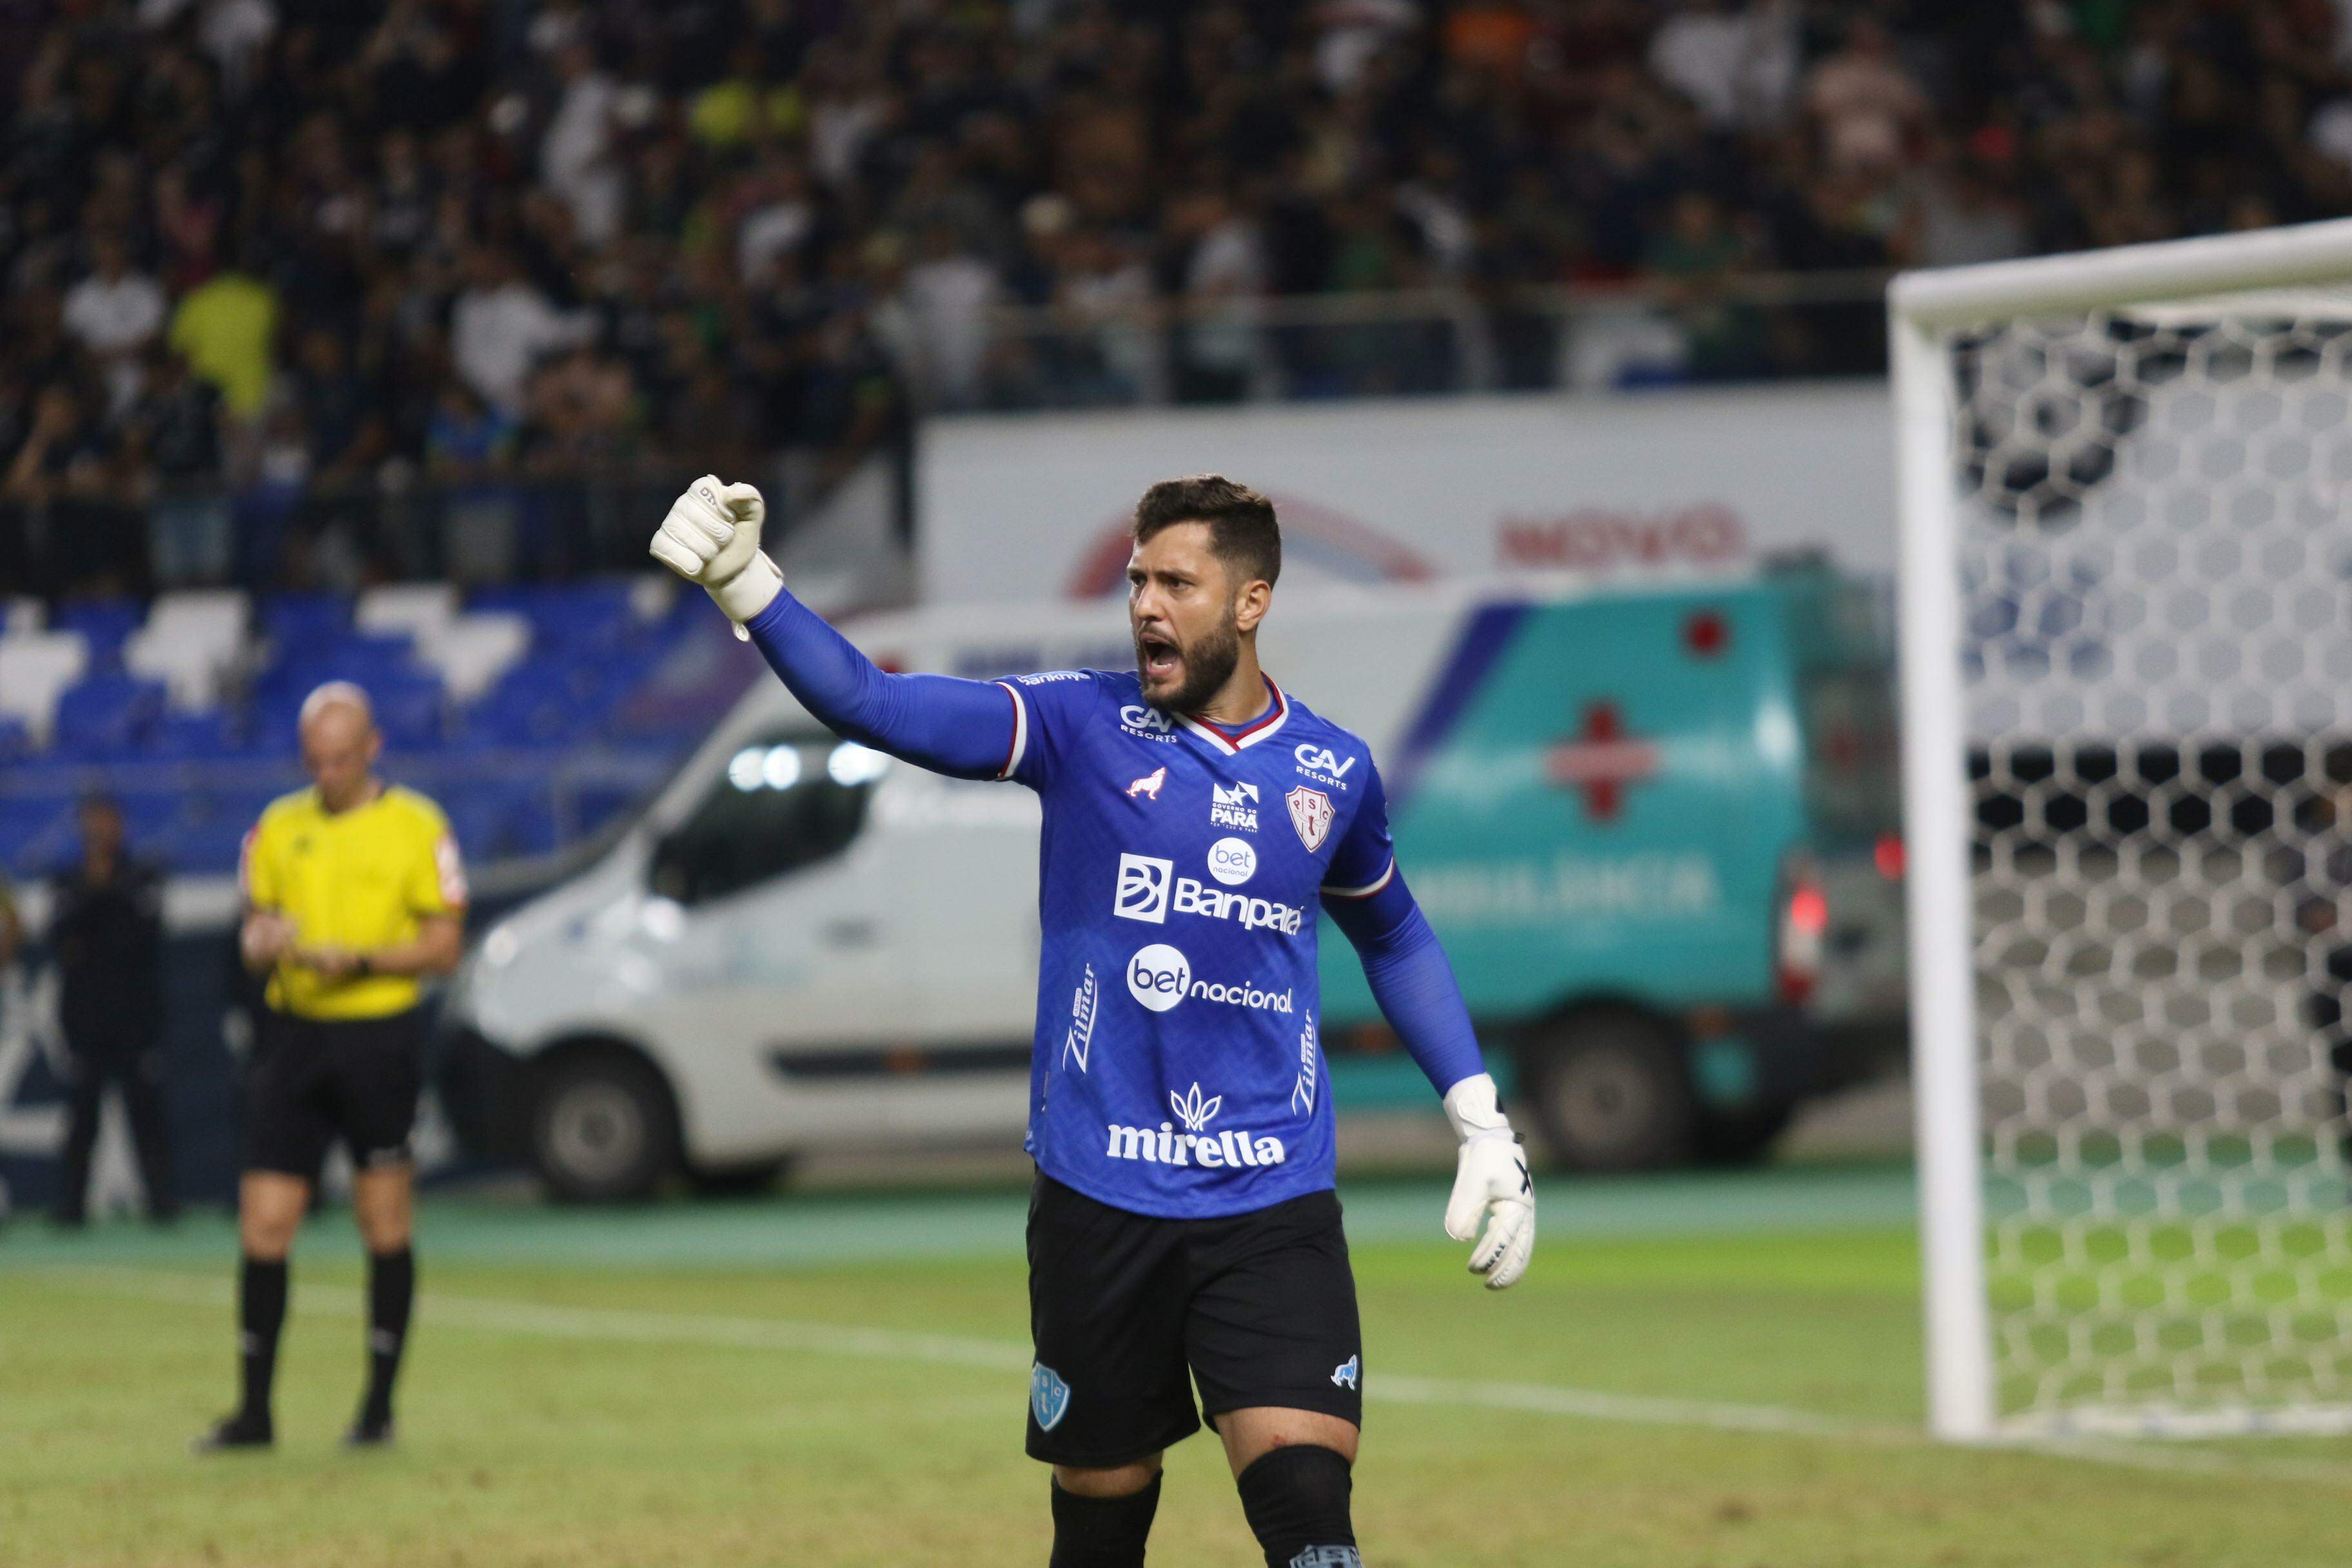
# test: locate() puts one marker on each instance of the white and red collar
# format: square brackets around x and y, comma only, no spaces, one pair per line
[1231,741]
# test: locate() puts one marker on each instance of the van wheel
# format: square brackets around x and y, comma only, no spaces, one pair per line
[603,1129]
[1610,1092]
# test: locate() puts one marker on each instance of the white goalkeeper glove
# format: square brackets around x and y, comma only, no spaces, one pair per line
[1491,1183]
[711,536]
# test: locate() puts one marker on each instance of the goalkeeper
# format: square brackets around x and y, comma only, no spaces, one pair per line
[1183,1230]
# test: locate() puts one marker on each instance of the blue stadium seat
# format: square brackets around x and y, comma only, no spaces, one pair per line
[103,624]
[107,716]
[303,620]
[194,737]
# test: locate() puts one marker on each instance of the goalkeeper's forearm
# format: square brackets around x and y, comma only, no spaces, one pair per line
[961,728]
[1412,982]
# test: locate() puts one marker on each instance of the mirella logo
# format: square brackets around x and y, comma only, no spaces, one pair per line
[1192,1144]
[1160,977]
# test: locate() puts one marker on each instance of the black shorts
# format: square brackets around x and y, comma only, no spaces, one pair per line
[1259,1308]
[314,1080]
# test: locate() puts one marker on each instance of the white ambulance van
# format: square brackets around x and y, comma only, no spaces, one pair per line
[1653,826]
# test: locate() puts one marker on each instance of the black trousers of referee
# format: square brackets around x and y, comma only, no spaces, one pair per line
[136,1067]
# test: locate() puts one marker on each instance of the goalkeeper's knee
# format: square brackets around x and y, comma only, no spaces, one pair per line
[1297,1500]
[1102,1532]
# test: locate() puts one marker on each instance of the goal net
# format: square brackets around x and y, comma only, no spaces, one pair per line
[2126,596]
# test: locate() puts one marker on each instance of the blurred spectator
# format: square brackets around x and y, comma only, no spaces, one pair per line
[108,936]
[174,427]
[500,324]
[768,215]
[114,314]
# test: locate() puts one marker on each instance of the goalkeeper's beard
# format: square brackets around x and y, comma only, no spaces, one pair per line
[1208,665]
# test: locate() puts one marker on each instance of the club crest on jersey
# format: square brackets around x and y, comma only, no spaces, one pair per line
[1148,786]
[1348,1374]
[1234,806]
[1049,1396]
[1312,814]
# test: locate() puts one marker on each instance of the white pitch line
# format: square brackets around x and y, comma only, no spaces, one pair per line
[804,1337]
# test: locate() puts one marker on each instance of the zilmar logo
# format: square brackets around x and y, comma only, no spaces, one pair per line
[1233,1148]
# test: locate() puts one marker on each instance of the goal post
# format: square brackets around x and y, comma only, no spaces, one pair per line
[2125,603]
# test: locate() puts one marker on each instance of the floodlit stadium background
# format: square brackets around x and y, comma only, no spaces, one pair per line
[342,342]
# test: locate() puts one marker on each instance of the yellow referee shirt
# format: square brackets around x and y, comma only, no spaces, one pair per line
[361,879]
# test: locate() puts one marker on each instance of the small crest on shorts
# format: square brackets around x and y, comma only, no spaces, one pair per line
[1049,1396]
[1348,1373]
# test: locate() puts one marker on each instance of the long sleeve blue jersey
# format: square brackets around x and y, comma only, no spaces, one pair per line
[1178,1067]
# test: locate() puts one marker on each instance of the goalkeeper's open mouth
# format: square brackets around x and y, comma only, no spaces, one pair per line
[1159,661]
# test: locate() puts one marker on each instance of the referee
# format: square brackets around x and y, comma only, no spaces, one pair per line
[353,892]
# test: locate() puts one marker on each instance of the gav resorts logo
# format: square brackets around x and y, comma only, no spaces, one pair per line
[1160,977]
[1049,1396]
[1312,814]
[1233,1148]
[1323,764]
[1232,861]
[1233,807]
[1082,1021]
[1143,718]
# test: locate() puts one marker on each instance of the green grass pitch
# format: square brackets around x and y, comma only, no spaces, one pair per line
[1701,1373]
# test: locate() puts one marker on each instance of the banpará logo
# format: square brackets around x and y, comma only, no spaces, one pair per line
[1149,887]
[1143,887]
[1194,1144]
[1232,861]
[1143,718]
[1234,806]
[1253,914]
[1323,764]
[1160,977]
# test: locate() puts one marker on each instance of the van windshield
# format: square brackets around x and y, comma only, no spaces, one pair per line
[784,801]
[1852,782]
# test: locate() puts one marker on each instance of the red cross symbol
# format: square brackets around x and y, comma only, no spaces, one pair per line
[1601,762]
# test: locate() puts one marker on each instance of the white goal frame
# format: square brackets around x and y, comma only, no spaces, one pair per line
[1922,307]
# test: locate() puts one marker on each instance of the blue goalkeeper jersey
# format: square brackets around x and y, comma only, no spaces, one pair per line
[1178,1069]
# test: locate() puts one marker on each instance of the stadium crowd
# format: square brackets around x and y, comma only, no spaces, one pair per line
[269,262]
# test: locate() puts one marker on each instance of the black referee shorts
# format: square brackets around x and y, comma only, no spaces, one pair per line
[1127,1312]
[314,1080]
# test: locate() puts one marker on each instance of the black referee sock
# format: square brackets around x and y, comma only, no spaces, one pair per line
[260,1314]
[392,1290]
[1297,1500]
[1102,1531]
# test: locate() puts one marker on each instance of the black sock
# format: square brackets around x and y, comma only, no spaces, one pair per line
[1102,1531]
[260,1314]
[1297,1500]
[391,1288]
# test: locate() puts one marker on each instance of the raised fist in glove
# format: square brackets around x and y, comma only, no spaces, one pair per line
[1491,1185]
[711,536]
